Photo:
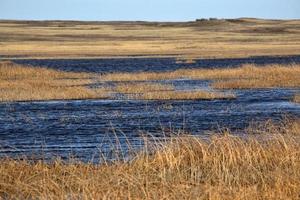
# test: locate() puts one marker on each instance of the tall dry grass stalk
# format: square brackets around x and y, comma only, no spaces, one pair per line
[264,166]
[19,83]
[246,76]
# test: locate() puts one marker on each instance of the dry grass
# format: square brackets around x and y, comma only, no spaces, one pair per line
[158,91]
[19,83]
[225,167]
[297,98]
[207,39]
[185,95]
[246,76]
[250,76]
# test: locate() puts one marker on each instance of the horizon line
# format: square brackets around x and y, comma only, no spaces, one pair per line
[205,18]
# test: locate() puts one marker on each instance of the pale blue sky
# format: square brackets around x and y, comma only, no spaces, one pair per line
[151,10]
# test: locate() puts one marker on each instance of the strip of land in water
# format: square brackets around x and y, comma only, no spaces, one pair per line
[244,77]
[224,38]
[24,83]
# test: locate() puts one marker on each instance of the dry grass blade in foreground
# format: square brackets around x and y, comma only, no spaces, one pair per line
[20,83]
[225,167]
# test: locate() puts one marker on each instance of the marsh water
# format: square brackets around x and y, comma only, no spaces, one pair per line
[83,128]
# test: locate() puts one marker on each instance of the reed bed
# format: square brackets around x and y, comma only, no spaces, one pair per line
[263,165]
[20,83]
[159,91]
[246,76]
[250,76]
[185,95]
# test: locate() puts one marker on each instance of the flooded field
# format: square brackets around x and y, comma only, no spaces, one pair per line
[151,64]
[83,128]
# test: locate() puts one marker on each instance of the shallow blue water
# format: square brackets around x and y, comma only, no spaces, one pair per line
[151,64]
[83,128]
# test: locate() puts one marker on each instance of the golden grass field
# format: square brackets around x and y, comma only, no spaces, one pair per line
[264,165]
[19,83]
[246,76]
[202,39]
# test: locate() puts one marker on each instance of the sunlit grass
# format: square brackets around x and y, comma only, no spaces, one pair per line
[246,76]
[19,83]
[264,165]
[185,95]
[213,39]
[159,91]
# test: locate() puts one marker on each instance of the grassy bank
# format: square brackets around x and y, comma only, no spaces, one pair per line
[20,83]
[265,165]
[246,76]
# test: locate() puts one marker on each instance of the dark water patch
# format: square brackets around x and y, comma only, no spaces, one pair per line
[151,64]
[85,128]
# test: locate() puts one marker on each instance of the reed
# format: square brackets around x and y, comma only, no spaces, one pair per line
[264,165]
[24,83]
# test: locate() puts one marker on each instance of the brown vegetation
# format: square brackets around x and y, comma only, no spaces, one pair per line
[19,83]
[201,39]
[184,95]
[264,166]
[158,91]
[297,98]
[250,76]
[246,76]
